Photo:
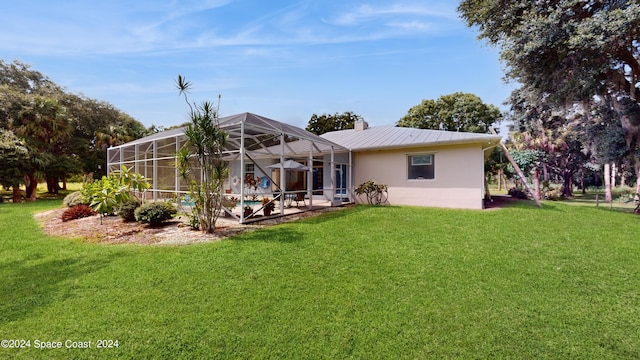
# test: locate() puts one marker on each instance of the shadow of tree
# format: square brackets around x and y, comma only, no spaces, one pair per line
[279,233]
[28,286]
[329,216]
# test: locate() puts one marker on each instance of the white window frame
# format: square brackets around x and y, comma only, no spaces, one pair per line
[414,160]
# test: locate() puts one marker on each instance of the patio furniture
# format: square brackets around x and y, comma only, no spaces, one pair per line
[298,198]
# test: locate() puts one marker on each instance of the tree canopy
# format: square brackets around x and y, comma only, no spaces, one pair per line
[454,112]
[574,49]
[13,157]
[577,63]
[327,122]
[64,134]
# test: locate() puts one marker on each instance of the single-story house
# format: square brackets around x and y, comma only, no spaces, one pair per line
[271,159]
[420,167]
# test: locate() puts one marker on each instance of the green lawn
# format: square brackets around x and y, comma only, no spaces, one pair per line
[369,283]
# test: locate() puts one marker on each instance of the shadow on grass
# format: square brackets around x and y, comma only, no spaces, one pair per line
[617,205]
[330,216]
[277,234]
[27,287]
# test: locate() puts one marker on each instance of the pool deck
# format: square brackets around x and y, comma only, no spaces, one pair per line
[290,209]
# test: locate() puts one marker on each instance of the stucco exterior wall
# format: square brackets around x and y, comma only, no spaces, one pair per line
[458,182]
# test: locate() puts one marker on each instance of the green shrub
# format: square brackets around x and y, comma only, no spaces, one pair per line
[554,195]
[73,199]
[127,209]
[376,193]
[518,193]
[107,194]
[155,213]
[77,212]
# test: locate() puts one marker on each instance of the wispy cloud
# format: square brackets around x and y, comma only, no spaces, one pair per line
[148,27]
[367,13]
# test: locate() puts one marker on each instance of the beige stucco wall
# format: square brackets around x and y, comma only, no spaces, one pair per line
[458,183]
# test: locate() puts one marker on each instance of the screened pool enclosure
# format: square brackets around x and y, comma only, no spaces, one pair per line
[267,160]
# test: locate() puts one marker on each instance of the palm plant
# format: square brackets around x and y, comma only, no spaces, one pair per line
[205,143]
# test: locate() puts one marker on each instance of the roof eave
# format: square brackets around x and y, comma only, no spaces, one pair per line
[483,142]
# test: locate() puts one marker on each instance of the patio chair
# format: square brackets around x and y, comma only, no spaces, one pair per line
[298,198]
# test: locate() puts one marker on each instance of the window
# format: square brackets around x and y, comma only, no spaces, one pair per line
[249,171]
[421,167]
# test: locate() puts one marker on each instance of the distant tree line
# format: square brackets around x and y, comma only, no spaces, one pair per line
[48,134]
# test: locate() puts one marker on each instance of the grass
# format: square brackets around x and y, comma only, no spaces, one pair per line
[7,194]
[369,282]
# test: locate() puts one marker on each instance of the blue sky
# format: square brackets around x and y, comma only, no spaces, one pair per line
[282,59]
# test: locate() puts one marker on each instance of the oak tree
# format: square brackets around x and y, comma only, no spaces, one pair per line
[454,112]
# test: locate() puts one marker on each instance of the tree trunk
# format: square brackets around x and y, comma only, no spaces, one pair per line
[614,174]
[536,184]
[31,188]
[567,183]
[607,182]
[64,183]
[487,193]
[53,186]
[584,190]
[17,194]
[518,170]
[637,170]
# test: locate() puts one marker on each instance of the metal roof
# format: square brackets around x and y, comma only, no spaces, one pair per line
[389,137]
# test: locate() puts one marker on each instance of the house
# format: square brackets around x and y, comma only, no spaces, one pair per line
[421,167]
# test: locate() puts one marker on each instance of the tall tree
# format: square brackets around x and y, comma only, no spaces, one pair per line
[326,123]
[14,157]
[45,126]
[96,126]
[571,52]
[66,133]
[454,112]
[538,124]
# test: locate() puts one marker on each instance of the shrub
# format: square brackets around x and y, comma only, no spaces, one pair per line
[77,212]
[155,213]
[73,199]
[376,193]
[518,193]
[107,194]
[554,195]
[127,209]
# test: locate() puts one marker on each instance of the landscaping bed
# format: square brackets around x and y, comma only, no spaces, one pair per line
[112,230]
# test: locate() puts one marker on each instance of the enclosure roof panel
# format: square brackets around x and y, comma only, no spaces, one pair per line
[253,125]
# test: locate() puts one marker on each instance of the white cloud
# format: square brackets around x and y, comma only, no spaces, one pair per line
[367,13]
[415,25]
